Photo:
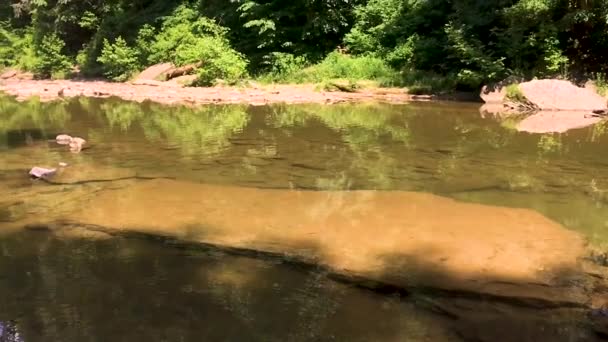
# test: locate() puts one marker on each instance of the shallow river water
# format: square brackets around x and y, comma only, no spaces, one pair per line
[77,288]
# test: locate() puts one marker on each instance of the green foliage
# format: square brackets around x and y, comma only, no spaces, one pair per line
[466,42]
[514,93]
[426,82]
[143,43]
[478,67]
[182,36]
[221,63]
[309,28]
[335,66]
[119,61]
[17,48]
[601,83]
[185,37]
[281,66]
[50,58]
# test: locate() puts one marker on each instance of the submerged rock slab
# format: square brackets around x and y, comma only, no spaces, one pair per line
[549,95]
[401,238]
[556,122]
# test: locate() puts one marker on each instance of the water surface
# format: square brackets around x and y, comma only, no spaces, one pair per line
[64,288]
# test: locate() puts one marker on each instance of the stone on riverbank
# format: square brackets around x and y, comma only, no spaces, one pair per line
[559,105]
[559,95]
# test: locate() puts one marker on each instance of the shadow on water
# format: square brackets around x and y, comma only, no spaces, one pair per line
[71,289]
[138,286]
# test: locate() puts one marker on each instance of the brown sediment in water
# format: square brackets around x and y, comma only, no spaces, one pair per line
[404,239]
[172,93]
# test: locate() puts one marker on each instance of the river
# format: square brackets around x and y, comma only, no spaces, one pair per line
[334,171]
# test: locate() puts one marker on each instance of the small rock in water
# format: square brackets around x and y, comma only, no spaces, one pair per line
[62,164]
[41,172]
[76,144]
[63,139]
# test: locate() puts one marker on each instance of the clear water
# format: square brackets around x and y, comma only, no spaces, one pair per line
[73,289]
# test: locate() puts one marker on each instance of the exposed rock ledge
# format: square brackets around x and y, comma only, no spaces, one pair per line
[399,239]
[557,105]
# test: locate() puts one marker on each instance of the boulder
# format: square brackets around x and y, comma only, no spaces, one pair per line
[556,105]
[560,95]
[76,144]
[154,72]
[63,139]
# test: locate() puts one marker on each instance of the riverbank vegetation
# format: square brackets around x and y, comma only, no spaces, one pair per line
[428,46]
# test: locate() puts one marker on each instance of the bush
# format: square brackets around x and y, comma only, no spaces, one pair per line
[118,60]
[425,82]
[183,36]
[143,43]
[513,93]
[49,57]
[186,38]
[219,62]
[338,66]
[601,83]
[12,45]
[16,48]
[281,66]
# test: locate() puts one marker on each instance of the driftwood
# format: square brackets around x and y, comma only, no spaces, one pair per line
[181,71]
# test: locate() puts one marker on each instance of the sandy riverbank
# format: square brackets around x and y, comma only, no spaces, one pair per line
[172,93]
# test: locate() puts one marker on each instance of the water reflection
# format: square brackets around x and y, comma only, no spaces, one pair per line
[74,289]
[444,149]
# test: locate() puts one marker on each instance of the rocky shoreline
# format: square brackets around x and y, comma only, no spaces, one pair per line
[173,93]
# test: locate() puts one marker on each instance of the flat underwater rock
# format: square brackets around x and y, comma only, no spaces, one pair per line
[401,238]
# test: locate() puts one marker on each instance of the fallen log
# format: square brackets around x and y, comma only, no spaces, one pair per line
[181,71]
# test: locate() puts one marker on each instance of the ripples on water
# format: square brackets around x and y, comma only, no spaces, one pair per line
[78,290]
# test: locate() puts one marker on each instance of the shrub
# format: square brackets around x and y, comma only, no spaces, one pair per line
[143,43]
[338,66]
[219,62]
[12,45]
[425,82]
[183,35]
[49,57]
[16,48]
[119,61]
[601,84]
[513,93]
[185,38]
[282,65]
